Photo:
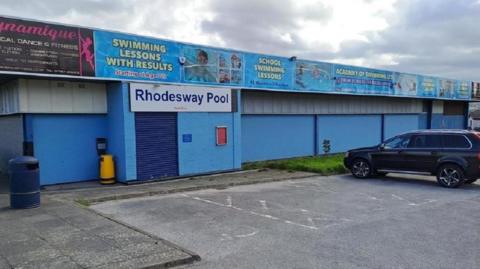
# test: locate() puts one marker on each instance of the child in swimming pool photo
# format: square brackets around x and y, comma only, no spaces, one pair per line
[200,70]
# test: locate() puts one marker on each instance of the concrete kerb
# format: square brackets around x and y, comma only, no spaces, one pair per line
[89,201]
[157,181]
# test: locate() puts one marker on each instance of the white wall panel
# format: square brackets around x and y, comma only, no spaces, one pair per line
[437,107]
[9,98]
[52,96]
[258,102]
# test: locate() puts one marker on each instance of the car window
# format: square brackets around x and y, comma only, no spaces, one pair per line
[455,141]
[425,141]
[397,142]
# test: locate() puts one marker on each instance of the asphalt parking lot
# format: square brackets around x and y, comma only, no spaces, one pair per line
[396,221]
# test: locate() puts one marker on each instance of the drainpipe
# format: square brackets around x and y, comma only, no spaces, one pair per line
[429,113]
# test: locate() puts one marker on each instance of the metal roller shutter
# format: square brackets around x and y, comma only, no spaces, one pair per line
[157,148]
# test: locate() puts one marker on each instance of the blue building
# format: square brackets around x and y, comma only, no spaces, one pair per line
[169,109]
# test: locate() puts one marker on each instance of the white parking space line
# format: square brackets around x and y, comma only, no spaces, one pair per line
[251,212]
[264,204]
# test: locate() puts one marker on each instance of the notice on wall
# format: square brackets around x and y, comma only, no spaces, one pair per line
[173,98]
[36,47]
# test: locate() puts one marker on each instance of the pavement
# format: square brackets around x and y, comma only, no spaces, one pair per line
[398,221]
[64,233]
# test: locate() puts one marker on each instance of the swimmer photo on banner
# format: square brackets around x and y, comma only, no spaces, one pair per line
[313,76]
[446,88]
[405,84]
[205,65]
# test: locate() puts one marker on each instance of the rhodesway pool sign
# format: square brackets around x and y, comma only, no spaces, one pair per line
[174,98]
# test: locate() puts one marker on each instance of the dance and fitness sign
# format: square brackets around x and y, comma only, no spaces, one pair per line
[37,47]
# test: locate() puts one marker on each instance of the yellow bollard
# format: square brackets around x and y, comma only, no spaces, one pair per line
[107,169]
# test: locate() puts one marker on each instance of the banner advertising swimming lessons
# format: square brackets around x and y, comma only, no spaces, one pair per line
[263,71]
[135,58]
[44,48]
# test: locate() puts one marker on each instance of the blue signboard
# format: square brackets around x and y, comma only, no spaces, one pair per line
[463,89]
[427,86]
[314,76]
[212,66]
[135,58]
[263,71]
[131,57]
[357,80]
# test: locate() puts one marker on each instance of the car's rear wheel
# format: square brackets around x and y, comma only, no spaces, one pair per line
[450,175]
[469,181]
[361,168]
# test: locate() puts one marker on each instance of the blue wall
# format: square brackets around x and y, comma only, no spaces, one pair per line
[440,121]
[348,131]
[397,124]
[423,121]
[268,137]
[202,155]
[65,146]
[121,131]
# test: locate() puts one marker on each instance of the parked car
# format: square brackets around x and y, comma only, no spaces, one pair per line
[452,155]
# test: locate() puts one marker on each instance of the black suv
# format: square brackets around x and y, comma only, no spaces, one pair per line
[452,155]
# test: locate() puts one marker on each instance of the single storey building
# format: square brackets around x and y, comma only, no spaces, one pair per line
[168,109]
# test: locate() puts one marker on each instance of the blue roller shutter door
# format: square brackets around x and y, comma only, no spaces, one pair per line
[157,148]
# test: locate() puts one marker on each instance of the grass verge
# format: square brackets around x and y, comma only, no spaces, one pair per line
[324,165]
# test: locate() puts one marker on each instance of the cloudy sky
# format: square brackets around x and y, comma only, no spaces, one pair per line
[434,37]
